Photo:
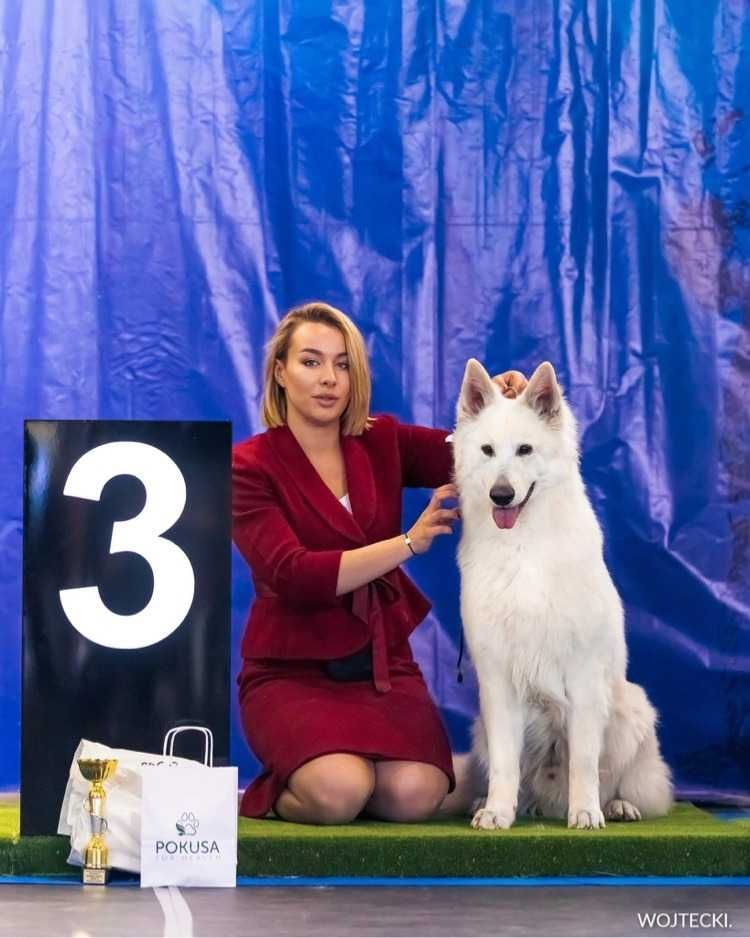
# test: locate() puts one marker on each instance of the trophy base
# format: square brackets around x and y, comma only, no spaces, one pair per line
[95,877]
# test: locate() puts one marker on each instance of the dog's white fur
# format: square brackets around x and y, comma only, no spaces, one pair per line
[562,733]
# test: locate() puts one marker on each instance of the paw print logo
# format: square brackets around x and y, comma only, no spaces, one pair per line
[187,824]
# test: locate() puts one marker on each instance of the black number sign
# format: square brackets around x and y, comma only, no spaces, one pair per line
[126,592]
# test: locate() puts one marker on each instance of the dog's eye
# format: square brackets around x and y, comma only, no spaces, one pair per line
[524,449]
[488,450]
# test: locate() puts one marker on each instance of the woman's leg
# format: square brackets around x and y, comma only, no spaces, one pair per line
[407,791]
[331,789]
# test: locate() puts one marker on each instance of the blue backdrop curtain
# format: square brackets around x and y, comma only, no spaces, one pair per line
[514,180]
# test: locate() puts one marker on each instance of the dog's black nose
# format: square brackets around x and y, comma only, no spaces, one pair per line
[502,495]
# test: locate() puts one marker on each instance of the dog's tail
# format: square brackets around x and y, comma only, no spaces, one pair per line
[459,802]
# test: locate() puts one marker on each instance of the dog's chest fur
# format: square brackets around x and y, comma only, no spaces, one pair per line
[537,602]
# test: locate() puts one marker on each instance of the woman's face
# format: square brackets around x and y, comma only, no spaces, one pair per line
[315,374]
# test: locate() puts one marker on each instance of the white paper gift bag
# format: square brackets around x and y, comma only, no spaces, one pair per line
[189,826]
[189,820]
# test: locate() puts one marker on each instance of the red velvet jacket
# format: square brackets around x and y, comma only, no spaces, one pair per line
[292,530]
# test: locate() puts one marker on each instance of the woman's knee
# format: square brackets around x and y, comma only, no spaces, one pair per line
[408,791]
[334,788]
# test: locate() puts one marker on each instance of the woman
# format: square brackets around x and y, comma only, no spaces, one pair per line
[332,701]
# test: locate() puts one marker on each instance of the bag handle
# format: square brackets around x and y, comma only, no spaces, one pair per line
[208,736]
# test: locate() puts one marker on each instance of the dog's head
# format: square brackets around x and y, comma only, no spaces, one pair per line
[508,451]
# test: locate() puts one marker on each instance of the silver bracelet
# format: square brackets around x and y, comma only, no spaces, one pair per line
[407,539]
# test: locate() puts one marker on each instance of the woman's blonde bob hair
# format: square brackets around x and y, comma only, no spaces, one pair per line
[356,417]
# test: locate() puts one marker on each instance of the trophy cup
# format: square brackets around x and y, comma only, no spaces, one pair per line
[95,858]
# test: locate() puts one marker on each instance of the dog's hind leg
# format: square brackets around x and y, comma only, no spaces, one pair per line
[636,782]
[645,788]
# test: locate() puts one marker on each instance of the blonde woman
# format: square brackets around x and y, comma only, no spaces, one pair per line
[332,701]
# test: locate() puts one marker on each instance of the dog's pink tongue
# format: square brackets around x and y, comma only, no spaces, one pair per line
[505,518]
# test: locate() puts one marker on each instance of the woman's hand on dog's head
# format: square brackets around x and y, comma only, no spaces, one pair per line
[511,383]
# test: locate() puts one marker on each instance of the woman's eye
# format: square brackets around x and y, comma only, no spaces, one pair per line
[524,449]
[344,365]
[488,450]
[309,361]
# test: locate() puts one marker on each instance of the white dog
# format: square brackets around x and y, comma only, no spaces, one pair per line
[562,733]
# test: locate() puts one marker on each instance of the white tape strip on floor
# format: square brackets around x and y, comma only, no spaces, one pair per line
[178,919]
[183,915]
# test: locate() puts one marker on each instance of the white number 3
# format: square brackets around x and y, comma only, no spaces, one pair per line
[174,580]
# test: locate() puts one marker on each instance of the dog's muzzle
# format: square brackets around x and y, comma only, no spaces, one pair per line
[503,514]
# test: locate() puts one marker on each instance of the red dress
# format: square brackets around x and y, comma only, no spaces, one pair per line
[292,531]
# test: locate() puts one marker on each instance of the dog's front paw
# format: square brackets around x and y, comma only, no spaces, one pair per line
[586,818]
[488,820]
[620,810]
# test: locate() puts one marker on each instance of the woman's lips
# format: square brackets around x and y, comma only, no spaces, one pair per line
[325,400]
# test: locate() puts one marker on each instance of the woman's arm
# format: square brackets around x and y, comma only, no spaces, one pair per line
[426,456]
[316,577]
[365,564]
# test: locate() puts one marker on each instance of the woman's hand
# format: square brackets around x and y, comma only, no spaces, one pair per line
[434,519]
[511,383]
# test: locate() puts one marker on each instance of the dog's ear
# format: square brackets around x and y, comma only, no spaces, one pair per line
[477,390]
[543,393]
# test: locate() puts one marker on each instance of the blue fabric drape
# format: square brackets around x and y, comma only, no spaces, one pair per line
[514,180]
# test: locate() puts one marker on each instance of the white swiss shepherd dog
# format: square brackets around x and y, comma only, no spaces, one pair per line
[561,732]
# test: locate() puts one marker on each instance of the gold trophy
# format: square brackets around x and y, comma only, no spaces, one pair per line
[95,856]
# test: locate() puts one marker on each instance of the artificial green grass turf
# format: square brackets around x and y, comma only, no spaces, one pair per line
[32,856]
[689,842]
